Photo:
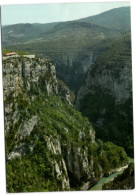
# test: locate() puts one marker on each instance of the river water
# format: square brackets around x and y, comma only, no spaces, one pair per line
[103,180]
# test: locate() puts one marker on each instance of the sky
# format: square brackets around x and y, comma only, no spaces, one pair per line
[47,13]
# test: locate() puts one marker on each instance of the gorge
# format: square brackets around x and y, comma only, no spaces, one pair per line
[46,135]
[68,110]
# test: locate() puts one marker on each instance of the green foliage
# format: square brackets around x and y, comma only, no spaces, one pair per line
[118,19]
[30,175]
[112,119]
[114,126]
[34,171]
[58,121]
[109,156]
[57,116]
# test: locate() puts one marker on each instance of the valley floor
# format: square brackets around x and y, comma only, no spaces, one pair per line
[105,180]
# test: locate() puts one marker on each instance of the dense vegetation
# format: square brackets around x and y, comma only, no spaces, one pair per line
[115,126]
[57,120]
[34,171]
[111,113]
[108,155]
[120,16]
[21,33]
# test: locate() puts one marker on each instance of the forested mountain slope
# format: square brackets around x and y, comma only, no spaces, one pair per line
[118,19]
[106,95]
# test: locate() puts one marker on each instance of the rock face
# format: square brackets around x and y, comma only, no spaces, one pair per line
[106,95]
[25,81]
[119,87]
[65,92]
[72,67]
[25,75]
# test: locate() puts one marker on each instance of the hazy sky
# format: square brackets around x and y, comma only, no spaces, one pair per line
[46,13]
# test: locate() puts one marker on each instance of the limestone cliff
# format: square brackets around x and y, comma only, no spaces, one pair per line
[106,95]
[21,78]
[27,82]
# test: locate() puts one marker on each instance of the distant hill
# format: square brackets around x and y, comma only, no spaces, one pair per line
[72,46]
[19,33]
[108,23]
[118,19]
[76,30]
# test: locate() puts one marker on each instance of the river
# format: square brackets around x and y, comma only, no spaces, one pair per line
[103,180]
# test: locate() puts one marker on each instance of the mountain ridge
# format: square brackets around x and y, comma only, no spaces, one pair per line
[72,46]
[106,18]
[43,28]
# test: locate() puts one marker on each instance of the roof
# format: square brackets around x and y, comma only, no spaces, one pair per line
[12,53]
